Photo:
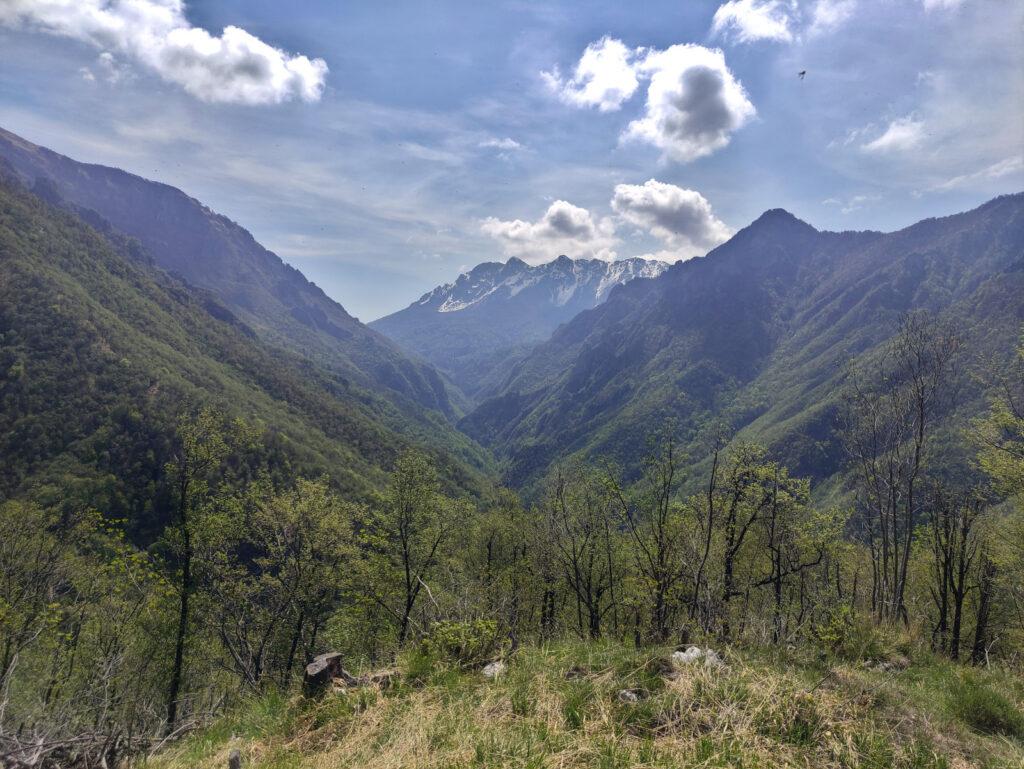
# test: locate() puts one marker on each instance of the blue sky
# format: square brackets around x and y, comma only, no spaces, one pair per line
[382,148]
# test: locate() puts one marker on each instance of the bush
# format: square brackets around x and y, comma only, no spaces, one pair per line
[985,709]
[466,644]
[847,635]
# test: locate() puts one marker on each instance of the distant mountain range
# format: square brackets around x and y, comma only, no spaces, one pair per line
[477,327]
[757,334]
[124,302]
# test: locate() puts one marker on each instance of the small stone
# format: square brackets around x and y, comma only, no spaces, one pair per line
[234,760]
[628,695]
[493,669]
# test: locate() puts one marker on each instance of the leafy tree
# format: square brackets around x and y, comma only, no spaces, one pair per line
[204,442]
[403,538]
[889,422]
[652,518]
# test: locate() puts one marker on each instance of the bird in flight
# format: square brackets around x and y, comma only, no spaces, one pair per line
[801,73]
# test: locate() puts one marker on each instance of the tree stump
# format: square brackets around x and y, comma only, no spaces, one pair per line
[322,672]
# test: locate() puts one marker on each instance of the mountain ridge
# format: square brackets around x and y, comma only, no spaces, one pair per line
[757,333]
[475,327]
[209,250]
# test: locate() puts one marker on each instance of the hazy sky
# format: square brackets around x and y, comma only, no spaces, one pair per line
[382,148]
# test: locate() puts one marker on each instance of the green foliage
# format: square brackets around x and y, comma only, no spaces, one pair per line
[849,635]
[466,644]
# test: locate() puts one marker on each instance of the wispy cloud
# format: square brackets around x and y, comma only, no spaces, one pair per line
[506,144]
[998,170]
[900,135]
[749,20]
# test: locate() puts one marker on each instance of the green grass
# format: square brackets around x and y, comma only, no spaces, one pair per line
[558,706]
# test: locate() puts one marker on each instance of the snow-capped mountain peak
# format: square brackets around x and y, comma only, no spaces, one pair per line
[559,283]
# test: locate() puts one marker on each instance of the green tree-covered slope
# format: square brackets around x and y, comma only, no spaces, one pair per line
[100,351]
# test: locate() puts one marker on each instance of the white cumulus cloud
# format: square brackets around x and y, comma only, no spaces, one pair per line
[901,135]
[605,77]
[751,20]
[682,218]
[235,67]
[563,229]
[694,103]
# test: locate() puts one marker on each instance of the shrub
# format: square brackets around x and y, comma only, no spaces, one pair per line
[466,644]
[850,636]
[985,709]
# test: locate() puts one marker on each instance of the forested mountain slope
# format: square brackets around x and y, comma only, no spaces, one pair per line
[758,334]
[100,352]
[476,328]
[210,251]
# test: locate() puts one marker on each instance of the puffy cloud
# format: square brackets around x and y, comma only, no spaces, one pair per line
[750,20]
[235,67]
[901,135]
[694,103]
[604,77]
[563,229]
[682,218]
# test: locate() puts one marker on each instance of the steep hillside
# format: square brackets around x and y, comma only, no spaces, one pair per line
[477,327]
[100,351]
[759,333]
[210,251]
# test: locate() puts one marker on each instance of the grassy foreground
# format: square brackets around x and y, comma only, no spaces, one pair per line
[560,706]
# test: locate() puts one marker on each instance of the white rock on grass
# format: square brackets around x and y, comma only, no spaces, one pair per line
[687,657]
[693,654]
[493,669]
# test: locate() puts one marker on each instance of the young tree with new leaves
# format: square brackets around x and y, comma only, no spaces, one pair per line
[403,537]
